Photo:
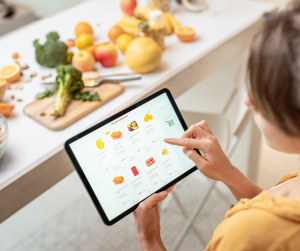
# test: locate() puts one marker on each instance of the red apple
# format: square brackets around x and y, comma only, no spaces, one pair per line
[128,6]
[83,61]
[106,54]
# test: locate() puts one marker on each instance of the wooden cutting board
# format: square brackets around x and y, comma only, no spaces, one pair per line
[40,110]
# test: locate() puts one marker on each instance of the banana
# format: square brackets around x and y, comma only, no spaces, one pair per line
[168,26]
[132,30]
[142,12]
[172,20]
[132,21]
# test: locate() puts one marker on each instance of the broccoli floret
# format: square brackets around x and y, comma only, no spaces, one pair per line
[53,52]
[68,82]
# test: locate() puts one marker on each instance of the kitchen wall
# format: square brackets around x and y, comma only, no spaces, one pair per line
[42,8]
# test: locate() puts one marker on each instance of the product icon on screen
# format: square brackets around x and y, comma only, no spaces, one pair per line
[116,135]
[165,152]
[100,144]
[150,161]
[134,171]
[118,180]
[148,117]
[132,126]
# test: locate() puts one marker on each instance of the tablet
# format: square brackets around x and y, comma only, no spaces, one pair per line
[124,159]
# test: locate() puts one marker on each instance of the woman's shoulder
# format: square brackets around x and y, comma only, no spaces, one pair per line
[266,223]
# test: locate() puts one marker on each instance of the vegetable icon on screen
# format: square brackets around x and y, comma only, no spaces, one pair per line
[150,161]
[116,135]
[118,180]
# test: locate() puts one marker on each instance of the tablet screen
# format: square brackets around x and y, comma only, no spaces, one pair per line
[127,159]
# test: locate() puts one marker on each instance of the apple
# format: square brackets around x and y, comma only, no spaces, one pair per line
[83,61]
[128,6]
[106,54]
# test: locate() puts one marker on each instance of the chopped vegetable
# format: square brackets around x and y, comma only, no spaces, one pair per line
[46,93]
[53,52]
[68,85]
[86,96]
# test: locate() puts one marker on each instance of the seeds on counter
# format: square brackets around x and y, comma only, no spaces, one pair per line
[26,80]
[44,77]
[12,97]
[20,100]
[33,75]
[25,67]
[15,55]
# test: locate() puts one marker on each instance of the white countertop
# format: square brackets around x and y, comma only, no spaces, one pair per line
[30,143]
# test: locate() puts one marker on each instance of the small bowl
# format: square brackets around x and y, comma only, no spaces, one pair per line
[3,134]
[185,34]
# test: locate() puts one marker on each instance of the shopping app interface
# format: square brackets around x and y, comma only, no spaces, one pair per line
[127,159]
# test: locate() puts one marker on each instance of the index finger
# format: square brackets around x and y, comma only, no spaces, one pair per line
[195,132]
[187,142]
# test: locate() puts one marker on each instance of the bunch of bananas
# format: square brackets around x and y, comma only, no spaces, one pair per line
[130,24]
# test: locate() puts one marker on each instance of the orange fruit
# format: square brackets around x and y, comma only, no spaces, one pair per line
[82,28]
[185,34]
[11,73]
[84,40]
[114,32]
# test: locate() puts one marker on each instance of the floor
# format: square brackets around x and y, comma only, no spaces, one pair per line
[78,227]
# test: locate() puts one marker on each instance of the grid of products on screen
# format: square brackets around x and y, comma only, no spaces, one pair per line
[129,159]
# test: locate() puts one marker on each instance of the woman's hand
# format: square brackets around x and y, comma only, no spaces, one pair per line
[214,163]
[147,222]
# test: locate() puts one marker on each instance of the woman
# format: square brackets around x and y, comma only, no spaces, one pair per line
[261,220]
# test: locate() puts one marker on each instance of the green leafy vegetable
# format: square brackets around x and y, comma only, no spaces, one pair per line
[68,85]
[46,93]
[86,96]
[53,52]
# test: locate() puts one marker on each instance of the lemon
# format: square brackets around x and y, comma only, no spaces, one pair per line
[143,55]
[123,41]
[84,40]
[82,28]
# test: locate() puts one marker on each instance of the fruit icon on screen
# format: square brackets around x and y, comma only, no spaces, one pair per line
[150,161]
[148,117]
[165,152]
[134,171]
[118,180]
[132,126]
[100,144]
[116,135]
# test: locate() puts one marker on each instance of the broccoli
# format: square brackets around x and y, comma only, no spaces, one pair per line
[68,82]
[53,52]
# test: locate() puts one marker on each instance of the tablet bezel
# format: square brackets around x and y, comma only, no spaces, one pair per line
[85,181]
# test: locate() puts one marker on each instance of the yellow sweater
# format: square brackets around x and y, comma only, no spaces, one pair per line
[267,223]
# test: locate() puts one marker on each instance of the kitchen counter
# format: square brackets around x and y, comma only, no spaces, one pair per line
[218,39]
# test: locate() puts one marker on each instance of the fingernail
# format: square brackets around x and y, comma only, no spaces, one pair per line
[164,193]
[185,150]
